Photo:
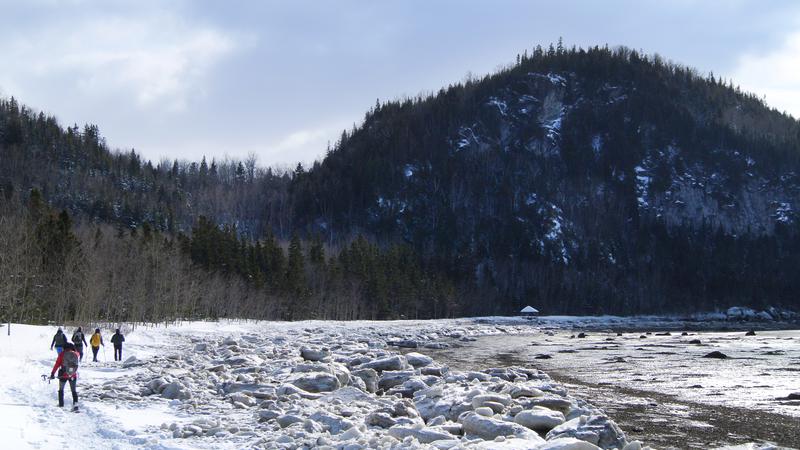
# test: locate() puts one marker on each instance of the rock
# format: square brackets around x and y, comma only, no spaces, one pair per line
[434,371]
[482,399]
[380,419]
[176,390]
[243,399]
[539,419]
[793,396]
[370,378]
[695,342]
[488,428]
[288,419]
[396,362]
[424,435]
[418,359]
[200,347]
[581,335]
[313,354]
[524,391]
[391,378]
[750,333]
[568,444]
[716,355]
[543,356]
[290,389]
[265,415]
[404,343]
[316,382]
[484,411]
[598,430]
[133,361]
[333,424]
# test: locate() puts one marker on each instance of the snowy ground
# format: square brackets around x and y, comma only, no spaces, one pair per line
[245,385]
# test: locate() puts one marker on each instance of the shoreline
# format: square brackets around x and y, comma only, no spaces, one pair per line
[656,418]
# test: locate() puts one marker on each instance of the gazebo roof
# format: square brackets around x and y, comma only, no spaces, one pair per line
[529,309]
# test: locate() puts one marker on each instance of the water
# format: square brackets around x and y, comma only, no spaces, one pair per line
[659,387]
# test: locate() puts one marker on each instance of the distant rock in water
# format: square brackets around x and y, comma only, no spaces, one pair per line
[581,335]
[750,333]
[543,356]
[716,355]
[695,341]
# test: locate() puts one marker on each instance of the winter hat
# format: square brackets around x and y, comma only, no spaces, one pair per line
[59,330]
[97,330]
[69,346]
[79,329]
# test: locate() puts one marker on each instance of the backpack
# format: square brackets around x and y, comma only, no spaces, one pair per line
[70,364]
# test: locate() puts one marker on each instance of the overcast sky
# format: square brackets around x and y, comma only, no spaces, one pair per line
[183,79]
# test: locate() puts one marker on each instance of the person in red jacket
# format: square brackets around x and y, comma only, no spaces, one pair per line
[67,366]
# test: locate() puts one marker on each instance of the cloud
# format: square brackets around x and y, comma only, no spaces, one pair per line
[156,60]
[773,74]
[305,145]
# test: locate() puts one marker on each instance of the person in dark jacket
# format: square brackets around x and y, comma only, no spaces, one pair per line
[117,339]
[79,340]
[67,366]
[59,341]
[96,340]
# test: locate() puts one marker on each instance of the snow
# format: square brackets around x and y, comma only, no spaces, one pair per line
[502,107]
[642,184]
[214,361]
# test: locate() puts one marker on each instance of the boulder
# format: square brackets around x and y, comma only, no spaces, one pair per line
[404,343]
[176,390]
[424,435]
[380,419]
[539,419]
[370,378]
[314,354]
[483,399]
[418,359]
[396,362]
[133,361]
[716,355]
[392,378]
[568,444]
[597,430]
[488,428]
[316,381]
[333,424]
[289,389]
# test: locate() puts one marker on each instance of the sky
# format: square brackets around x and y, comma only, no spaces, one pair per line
[281,79]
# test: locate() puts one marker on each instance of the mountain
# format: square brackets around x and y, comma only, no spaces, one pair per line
[578,181]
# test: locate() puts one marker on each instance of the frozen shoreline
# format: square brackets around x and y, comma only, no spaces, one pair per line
[249,378]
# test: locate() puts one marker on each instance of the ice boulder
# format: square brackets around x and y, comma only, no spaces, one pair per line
[314,354]
[598,430]
[176,390]
[488,428]
[418,359]
[316,381]
[567,444]
[539,419]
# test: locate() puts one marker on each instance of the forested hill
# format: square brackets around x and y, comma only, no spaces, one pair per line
[578,181]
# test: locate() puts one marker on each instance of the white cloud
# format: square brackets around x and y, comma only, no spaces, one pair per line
[773,75]
[158,60]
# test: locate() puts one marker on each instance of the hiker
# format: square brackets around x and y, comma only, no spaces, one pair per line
[59,340]
[67,366]
[96,341]
[79,340]
[117,339]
